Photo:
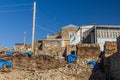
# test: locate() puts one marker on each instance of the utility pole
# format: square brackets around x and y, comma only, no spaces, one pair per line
[33,26]
[24,38]
[24,42]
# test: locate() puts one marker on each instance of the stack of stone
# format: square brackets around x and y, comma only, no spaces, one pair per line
[110,48]
[88,50]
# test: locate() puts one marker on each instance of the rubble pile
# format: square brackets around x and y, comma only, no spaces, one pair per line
[110,48]
[48,62]
[44,67]
[88,50]
[43,62]
[73,72]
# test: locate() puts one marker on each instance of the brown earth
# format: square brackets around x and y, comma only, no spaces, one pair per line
[44,67]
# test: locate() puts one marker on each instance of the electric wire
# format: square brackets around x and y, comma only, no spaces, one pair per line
[24,10]
[15,5]
[45,29]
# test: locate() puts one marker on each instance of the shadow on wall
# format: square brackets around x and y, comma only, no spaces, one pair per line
[109,68]
[98,73]
[112,67]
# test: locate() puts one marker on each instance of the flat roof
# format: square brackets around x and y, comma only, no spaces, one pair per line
[108,26]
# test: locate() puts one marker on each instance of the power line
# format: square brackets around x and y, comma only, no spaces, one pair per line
[48,16]
[16,10]
[16,5]
[45,29]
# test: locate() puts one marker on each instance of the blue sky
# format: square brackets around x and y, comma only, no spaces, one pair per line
[51,16]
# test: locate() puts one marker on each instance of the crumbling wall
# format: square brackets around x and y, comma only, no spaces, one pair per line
[110,48]
[52,47]
[49,44]
[88,50]
[53,51]
[111,60]
[86,53]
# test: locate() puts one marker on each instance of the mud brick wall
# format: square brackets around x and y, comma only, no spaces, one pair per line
[88,50]
[70,48]
[110,48]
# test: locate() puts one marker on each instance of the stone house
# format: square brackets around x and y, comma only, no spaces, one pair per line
[101,33]
[51,47]
[67,31]
[81,34]
[96,34]
[19,46]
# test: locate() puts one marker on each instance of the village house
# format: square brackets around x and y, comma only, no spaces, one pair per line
[19,46]
[57,43]
[51,47]
[98,34]
[71,35]
[81,34]
[67,32]
[102,33]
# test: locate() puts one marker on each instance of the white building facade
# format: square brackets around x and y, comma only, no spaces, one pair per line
[95,34]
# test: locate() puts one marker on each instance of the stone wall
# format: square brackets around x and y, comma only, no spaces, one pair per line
[88,50]
[110,48]
[50,44]
[52,47]
[18,47]
[66,32]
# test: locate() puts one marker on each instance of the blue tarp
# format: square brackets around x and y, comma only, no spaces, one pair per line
[94,63]
[71,58]
[28,53]
[9,52]
[4,62]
